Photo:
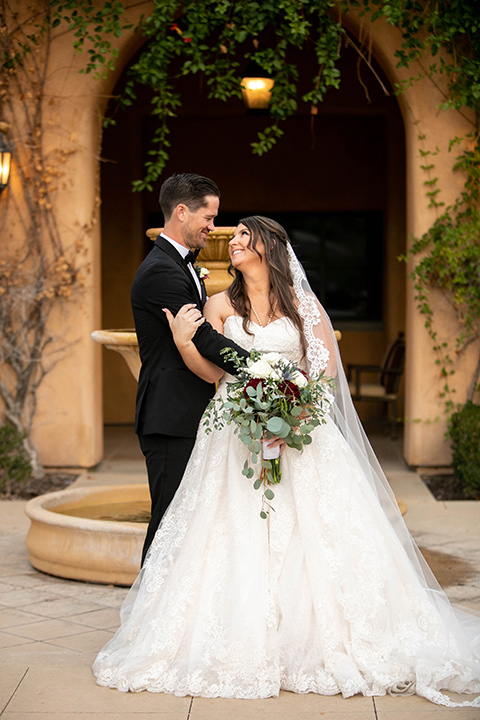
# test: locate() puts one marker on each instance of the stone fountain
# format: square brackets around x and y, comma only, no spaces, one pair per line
[80,548]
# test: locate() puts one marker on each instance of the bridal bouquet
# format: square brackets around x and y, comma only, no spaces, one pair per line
[271,398]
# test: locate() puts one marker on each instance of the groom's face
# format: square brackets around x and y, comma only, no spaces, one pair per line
[198,224]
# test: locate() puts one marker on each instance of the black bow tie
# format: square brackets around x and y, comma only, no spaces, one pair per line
[191,257]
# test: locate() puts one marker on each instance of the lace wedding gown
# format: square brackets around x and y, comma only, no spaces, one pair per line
[321,597]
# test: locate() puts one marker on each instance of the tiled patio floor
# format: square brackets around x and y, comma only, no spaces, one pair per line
[51,629]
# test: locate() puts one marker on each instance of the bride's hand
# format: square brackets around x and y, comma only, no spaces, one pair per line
[185,323]
[277,442]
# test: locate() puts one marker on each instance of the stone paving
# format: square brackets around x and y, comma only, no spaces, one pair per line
[51,629]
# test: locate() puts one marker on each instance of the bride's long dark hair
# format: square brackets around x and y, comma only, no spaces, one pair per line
[275,239]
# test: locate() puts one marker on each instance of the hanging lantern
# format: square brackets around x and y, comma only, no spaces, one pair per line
[256,87]
[5,161]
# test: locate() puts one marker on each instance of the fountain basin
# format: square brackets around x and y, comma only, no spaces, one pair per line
[101,551]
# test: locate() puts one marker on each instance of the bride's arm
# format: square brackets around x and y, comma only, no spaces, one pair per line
[184,326]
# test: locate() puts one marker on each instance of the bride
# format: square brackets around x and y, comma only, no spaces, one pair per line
[329,594]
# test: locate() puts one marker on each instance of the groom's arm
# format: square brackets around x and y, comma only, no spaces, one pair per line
[167,287]
[210,343]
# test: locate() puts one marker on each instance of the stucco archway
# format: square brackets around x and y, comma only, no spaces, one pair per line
[347,170]
[69,424]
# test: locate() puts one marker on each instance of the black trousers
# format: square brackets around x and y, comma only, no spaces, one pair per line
[166,458]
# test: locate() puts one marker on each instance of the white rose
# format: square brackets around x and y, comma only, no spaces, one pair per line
[299,379]
[261,369]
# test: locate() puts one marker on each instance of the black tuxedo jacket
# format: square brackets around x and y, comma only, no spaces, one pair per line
[170,398]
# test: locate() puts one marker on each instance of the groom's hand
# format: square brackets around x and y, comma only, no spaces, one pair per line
[185,323]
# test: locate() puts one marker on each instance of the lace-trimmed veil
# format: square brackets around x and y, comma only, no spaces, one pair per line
[323,355]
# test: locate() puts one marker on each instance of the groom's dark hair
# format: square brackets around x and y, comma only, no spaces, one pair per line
[186,188]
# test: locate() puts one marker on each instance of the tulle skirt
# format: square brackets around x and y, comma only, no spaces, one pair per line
[321,597]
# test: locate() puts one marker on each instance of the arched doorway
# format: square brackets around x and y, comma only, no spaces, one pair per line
[336,180]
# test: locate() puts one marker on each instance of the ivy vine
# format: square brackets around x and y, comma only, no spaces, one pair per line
[216,38]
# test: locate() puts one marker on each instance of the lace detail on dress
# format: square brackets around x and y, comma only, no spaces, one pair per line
[319,598]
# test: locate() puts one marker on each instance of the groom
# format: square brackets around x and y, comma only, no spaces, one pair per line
[170,398]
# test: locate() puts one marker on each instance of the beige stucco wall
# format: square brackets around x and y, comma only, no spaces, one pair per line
[69,422]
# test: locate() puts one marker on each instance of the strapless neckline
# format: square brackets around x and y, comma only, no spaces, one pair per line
[260,327]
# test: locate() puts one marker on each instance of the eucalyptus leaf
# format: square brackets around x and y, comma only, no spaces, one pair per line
[275,425]
[258,431]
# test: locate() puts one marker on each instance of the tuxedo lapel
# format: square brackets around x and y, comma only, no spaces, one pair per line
[204,292]
[168,248]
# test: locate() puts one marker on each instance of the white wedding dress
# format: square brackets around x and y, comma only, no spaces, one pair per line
[320,597]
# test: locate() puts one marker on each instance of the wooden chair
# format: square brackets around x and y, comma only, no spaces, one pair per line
[385,388]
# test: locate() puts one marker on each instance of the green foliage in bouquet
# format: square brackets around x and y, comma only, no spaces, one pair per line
[464,433]
[271,398]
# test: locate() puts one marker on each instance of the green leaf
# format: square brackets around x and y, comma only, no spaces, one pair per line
[269,494]
[275,425]
[278,427]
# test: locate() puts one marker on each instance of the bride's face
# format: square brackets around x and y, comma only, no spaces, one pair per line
[241,255]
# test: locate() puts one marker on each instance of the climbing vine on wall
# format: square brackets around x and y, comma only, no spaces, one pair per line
[214,39]
[38,272]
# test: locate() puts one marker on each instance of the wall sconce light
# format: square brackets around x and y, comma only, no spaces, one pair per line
[5,161]
[256,87]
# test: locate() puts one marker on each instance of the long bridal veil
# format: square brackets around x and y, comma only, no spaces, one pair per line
[323,356]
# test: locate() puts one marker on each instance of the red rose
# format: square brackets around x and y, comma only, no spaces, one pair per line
[289,389]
